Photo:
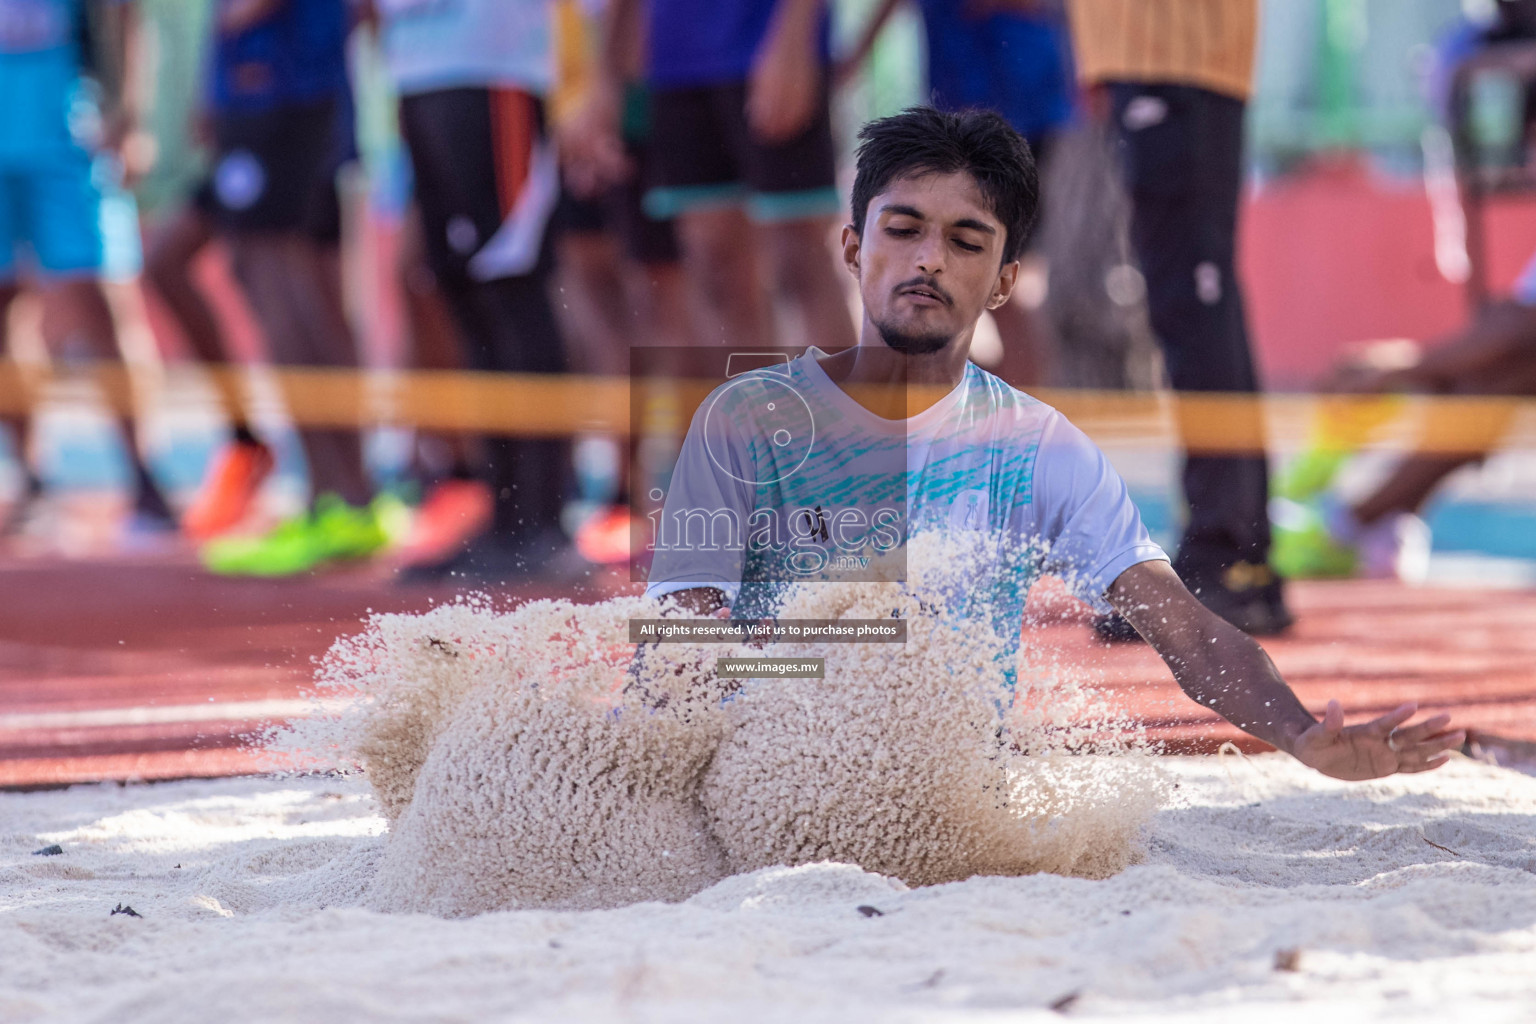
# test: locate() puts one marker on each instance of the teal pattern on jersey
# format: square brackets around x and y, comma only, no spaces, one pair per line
[831,486]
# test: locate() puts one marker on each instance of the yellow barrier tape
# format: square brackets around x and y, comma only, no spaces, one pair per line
[531,405]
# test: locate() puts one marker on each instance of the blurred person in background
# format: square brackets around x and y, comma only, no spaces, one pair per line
[620,273]
[1013,58]
[1173,76]
[279,111]
[472,77]
[744,160]
[455,502]
[1382,535]
[56,152]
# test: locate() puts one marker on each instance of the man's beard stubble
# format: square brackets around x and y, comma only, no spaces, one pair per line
[910,344]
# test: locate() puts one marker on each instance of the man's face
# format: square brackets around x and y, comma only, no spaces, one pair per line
[929,261]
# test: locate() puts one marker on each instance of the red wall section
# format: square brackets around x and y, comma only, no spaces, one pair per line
[1336,254]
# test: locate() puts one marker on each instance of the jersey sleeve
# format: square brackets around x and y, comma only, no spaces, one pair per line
[1090,528]
[699,539]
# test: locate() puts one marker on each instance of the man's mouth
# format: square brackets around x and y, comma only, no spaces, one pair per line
[925,292]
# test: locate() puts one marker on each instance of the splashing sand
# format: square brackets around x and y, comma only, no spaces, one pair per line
[519,767]
[896,760]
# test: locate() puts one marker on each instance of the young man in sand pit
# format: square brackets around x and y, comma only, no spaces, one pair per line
[786,469]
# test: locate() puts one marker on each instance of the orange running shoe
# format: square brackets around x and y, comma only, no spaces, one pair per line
[604,538]
[452,513]
[228,489]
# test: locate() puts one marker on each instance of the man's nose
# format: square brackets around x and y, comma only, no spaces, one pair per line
[930,255]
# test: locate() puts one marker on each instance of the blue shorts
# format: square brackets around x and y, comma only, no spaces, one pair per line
[50,216]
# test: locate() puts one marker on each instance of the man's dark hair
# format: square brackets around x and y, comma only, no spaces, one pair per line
[922,140]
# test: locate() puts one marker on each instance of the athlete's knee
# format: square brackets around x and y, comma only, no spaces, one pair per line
[252,260]
[719,257]
[8,293]
[166,271]
[802,261]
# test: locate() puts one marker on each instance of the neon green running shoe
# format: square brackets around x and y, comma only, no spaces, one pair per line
[1309,474]
[393,516]
[344,532]
[1303,548]
[1341,425]
[333,531]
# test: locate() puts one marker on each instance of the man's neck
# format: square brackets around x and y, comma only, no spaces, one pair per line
[892,385]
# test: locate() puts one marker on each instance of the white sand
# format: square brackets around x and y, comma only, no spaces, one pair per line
[524,760]
[1250,859]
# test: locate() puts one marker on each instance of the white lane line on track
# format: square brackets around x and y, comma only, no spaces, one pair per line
[232,711]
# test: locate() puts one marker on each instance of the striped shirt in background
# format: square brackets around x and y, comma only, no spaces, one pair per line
[1206,43]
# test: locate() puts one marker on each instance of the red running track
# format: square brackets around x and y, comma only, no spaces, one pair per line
[119,670]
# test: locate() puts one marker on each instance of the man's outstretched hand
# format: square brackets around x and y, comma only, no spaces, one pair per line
[1377,748]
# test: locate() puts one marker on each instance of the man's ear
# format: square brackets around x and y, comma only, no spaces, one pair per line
[851,249]
[1006,279]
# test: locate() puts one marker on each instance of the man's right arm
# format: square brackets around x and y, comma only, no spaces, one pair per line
[1226,671]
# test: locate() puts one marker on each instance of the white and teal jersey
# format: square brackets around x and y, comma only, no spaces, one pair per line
[784,477]
[431,45]
[40,77]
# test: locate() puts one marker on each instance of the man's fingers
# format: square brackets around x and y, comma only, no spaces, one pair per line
[1392,719]
[1333,718]
[1431,753]
[1411,734]
[1434,745]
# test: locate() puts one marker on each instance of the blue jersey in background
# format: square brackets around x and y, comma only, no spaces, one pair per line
[297,55]
[709,42]
[40,77]
[1018,65]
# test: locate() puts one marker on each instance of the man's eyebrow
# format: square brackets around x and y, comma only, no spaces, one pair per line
[903,210]
[975,225]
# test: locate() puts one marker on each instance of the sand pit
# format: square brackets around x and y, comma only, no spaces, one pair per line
[545,829]
[528,760]
[1412,898]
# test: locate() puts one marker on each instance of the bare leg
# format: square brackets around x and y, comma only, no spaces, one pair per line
[15,422]
[658,292]
[718,257]
[282,276]
[1410,486]
[434,345]
[1417,476]
[807,280]
[76,317]
[590,301]
[168,269]
[325,309]
[18,423]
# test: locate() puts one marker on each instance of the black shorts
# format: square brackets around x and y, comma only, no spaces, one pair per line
[487,183]
[707,156]
[276,170]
